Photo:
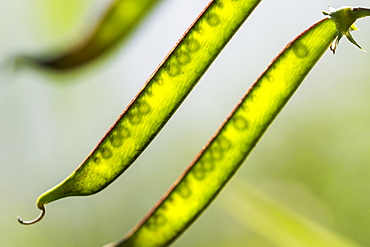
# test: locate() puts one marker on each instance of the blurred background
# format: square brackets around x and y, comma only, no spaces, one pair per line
[314,159]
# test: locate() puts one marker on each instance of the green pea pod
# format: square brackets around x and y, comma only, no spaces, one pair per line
[155,103]
[227,150]
[120,19]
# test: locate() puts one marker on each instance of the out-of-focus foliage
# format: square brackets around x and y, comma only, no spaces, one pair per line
[313,159]
[118,21]
[275,222]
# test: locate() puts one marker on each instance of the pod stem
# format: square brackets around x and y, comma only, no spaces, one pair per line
[42,214]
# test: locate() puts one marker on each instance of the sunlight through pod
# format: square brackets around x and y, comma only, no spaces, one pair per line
[156,102]
[225,153]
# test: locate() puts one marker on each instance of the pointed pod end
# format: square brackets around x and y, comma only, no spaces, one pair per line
[42,214]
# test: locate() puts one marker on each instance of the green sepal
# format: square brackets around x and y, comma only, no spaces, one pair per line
[353,28]
[344,19]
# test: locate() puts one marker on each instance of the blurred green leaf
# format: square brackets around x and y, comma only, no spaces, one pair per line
[118,22]
[274,221]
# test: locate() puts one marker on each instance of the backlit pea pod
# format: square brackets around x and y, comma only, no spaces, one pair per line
[120,19]
[156,102]
[224,154]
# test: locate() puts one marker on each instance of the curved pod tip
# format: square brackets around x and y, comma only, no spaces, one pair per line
[42,214]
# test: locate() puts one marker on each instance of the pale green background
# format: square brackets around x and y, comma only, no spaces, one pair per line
[314,158]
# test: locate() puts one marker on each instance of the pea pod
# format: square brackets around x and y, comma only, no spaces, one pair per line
[227,150]
[117,23]
[156,102]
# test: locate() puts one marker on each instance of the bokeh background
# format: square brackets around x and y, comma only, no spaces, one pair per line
[314,159]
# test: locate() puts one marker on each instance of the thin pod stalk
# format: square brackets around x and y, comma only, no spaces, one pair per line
[156,102]
[224,154]
[117,23]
